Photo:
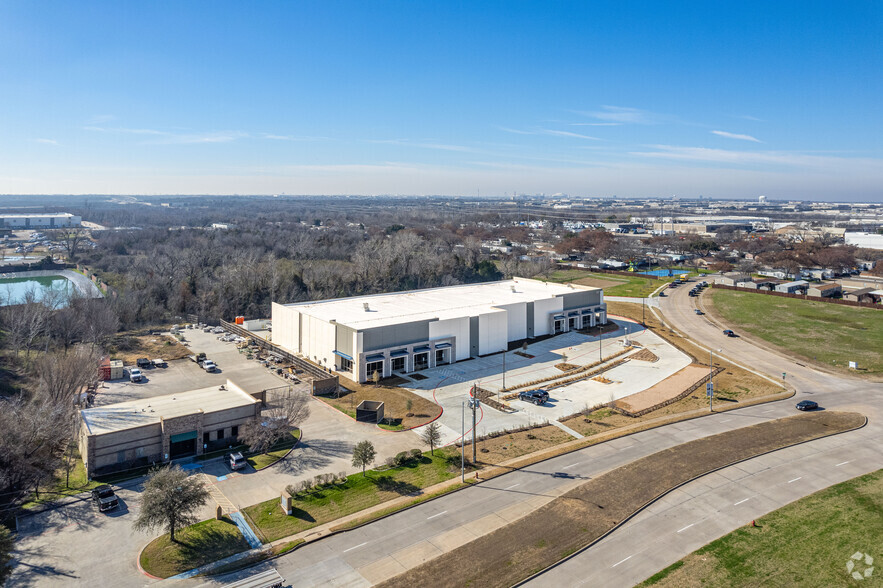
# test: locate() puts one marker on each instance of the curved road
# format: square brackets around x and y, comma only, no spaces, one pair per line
[668,530]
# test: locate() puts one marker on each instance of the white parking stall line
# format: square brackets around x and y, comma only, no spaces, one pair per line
[571,465]
[512,486]
[841,463]
[436,515]
[794,480]
[356,547]
[725,421]
[623,561]
[687,527]
[741,501]
[766,411]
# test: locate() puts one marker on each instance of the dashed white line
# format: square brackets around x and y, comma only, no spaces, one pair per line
[436,515]
[766,411]
[841,463]
[726,421]
[623,561]
[571,465]
[512,486]
[794,480]
[356,547]
[687,527]
[741,501]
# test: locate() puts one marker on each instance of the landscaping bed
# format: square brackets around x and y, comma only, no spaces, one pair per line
[822,532]
[403,408]
[530,544]
[195,546]
[505,446]
[359,492]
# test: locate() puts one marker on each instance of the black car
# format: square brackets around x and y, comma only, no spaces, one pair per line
[729,333]
[807,405]
[697,311]
[538,397]
[104,497]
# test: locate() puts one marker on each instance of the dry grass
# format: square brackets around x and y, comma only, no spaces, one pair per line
[579,517]
[644,355]
[130,347]
[395,402]
[510,445]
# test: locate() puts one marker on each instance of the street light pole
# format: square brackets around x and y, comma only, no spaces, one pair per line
[474,448]
[463,442]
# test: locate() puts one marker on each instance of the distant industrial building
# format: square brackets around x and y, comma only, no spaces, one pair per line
[797,286]
[57,220]
[411,331]
[866,240]
[137,433]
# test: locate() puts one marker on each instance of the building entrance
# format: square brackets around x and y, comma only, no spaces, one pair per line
[182,445]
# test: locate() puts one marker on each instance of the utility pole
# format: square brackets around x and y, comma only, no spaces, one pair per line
[474,404]
[463,442]
[504,368]
[600,336]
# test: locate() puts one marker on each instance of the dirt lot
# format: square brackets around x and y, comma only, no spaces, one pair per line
[509,445]
[130,347]
[668,388]
[598,282]
[505,556]
[395,402]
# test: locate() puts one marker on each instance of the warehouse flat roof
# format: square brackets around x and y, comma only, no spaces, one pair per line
[137,413]
[433,303]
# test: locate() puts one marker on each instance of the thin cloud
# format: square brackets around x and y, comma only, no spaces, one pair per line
[773,158]
[552,132]
[167,138]
[46,141]
[751,118]
[624,115]
[516,131]
[424,145]
[736,136]
[274,137]
[602,124]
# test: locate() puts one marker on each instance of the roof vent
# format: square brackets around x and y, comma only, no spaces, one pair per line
[513,288]
[365,306]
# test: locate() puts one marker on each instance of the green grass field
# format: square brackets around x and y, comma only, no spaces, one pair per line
[636,286]
[807,543]
[829,334]
[358,493]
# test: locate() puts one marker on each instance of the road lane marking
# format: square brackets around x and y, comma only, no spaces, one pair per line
[623,561]
[436,515]
[571,465]
[741,501]
[687,527]
[841,463]
[512,486]
[356,547]
[766,411]
[794,480]
[726,421]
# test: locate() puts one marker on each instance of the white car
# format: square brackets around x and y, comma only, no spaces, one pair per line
[135,375]
[209,366]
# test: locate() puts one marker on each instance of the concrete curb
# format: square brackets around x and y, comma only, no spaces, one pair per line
[673,488]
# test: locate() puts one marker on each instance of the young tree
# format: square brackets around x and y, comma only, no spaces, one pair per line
[275,423]
[170,500]
[363,455]
[432,436]
[5,554]
[375,377]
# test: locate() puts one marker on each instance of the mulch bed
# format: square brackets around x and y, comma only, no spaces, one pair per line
[644,355]
[581,516]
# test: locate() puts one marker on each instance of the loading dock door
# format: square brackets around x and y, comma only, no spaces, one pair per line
[182,445]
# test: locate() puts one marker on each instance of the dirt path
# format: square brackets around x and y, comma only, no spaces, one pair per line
[512,553]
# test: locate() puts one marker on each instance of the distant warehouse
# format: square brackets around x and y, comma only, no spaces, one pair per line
[411,331]
[39,221]
[137,433]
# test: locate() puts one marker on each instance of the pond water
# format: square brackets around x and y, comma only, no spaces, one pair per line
[15,290]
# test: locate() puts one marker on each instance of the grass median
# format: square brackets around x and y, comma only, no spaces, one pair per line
[806,543]
[194,546]
[827,334]
[277,452]
[359,492]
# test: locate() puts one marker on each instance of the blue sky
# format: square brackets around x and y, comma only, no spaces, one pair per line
[722,99]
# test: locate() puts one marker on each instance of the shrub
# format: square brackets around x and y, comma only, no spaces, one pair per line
[341,477]
[401,458]
[390,462]
[416,454]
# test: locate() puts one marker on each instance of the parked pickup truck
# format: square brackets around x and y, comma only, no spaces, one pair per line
[104,497]
[208,365]
[143,362]
[538,397]
[135,375]
[159,363]
[198,358]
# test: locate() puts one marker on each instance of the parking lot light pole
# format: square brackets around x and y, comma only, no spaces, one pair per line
[463,442]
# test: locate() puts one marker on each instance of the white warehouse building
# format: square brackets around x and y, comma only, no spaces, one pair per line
[411,331]
[53,220]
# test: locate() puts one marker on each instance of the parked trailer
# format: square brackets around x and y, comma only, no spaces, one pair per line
[267,579]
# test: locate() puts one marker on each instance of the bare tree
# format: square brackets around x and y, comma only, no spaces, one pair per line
[71,239]
[276,423]
[170,500]
[62,376]
[5,554]
[100,321]
[432,436]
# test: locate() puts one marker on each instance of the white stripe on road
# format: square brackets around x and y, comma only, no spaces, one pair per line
[726,421]
[794,480]
[687,527]
[841,463]
[571,465]
[512,486]
[356,547]
[619,562]
[436,515]
[741,501]
[766,411]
